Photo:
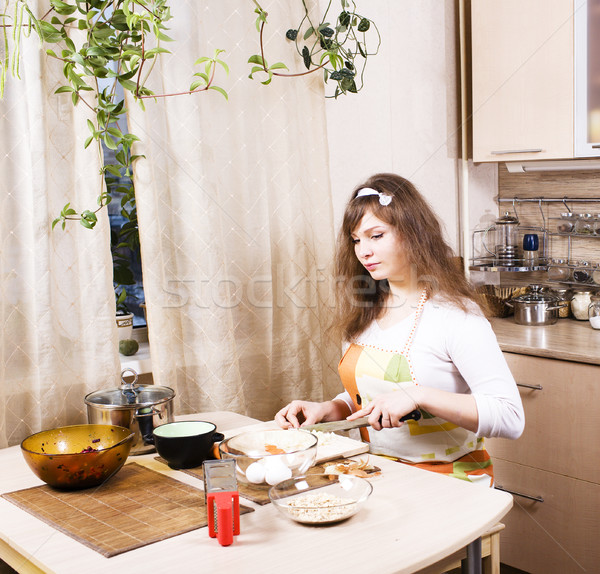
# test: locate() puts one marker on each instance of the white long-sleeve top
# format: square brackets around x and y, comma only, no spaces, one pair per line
[457,352]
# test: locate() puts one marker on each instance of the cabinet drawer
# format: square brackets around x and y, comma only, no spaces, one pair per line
[562,420]
[557,535]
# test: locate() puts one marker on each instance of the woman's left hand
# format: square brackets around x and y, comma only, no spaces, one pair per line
[386,410]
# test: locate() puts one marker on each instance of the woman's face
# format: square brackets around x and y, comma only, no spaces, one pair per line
[380,250]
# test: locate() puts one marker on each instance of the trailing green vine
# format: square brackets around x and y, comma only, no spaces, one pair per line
[118,44]
[340,51]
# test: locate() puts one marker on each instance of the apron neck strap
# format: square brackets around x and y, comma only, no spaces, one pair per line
[411,336]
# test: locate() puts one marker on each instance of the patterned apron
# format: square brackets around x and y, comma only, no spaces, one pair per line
[431,443]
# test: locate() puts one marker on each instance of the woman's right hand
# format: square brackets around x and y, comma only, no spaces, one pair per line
[299,413]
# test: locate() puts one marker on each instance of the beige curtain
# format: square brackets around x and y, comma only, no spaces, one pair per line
[236,219]
[58,337]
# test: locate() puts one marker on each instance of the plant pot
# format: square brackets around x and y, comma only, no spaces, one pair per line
[125,326]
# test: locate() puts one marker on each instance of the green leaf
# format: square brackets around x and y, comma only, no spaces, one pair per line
[88,141]
[113,169]
[309,33]
[278,66]
[220,90]
[49,33]
[158,50]
[223,65]
[64,89]
[128,85]
[306,57]
[364,25]
[256,59]
[254,70]
[109,142]
[115,132]
[197,84]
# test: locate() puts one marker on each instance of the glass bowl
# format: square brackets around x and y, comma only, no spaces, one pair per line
[77,456]
[320,498]
[265,458]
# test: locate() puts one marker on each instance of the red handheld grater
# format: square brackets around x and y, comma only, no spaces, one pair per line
[222,500]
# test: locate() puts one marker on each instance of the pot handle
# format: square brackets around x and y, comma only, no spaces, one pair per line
[559,306]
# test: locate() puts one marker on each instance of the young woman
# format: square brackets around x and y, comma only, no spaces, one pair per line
[415,338]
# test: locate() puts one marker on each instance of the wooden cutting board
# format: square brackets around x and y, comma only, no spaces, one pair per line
[337,446]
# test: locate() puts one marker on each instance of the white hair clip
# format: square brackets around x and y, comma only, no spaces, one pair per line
[383,198]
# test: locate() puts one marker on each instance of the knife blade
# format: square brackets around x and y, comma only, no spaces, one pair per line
[343,425]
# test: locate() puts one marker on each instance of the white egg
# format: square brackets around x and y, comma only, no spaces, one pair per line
[275,473]
[255,473]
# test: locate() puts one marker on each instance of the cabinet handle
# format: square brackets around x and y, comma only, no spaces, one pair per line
[534,387]
[528,496]
[596,146]
[507,151]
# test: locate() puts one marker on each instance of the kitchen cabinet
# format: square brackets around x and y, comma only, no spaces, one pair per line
[535,79]
[552,528]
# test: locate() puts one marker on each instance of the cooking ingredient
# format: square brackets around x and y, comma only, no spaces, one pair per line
[272,449]
[319,508]
[324,438]
[128,347]
[360,468]
[581,274]
[255,473]
[595,322]
[276,471]
[584,224]
[579,305]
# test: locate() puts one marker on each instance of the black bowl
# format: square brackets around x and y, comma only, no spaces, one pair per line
[186,444]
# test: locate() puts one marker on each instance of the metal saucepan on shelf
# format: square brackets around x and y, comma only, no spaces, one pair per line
[539,306]
[140,408]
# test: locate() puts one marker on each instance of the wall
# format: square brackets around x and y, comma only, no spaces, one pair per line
[406,119]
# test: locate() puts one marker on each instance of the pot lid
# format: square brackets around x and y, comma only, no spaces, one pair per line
[507,219]
[538,294]
[130,394]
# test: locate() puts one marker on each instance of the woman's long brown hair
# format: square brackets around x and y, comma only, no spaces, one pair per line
[359,298]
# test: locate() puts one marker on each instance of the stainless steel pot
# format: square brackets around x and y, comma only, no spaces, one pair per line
[539,306]
[140,408]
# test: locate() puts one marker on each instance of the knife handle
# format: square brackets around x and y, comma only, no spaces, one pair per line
[412,416]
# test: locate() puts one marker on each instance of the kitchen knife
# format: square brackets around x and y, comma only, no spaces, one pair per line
[358,423]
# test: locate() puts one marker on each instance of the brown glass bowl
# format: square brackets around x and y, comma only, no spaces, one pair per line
[77,456]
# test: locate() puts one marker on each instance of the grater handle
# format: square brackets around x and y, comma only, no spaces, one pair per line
[224,522]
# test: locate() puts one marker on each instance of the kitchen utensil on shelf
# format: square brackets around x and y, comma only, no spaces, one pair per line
[531,245]
[594,311]
[140,408]
[77,456]
[505,238]
[559,270]
[566,223]
[222,500]
[320,498]
[344,425]
[186,444]
[584,224]
[265,457]
[538,306]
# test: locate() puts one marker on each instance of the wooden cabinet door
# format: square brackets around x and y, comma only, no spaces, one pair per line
[522,79]
[562,420]
[558,535]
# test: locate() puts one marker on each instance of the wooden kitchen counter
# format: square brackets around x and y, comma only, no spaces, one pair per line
[567,339]
[413,519]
